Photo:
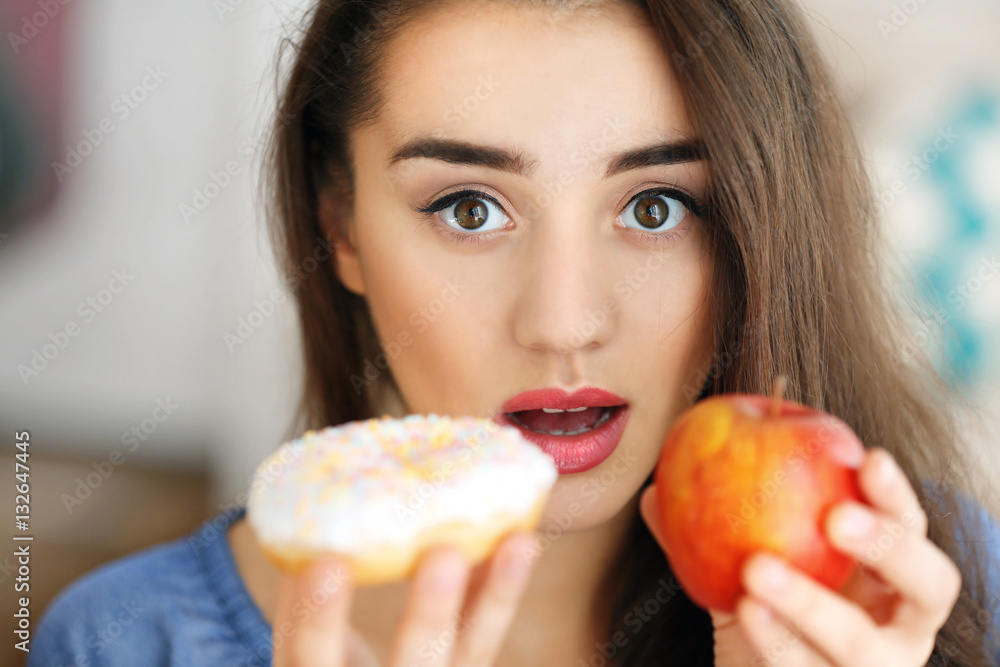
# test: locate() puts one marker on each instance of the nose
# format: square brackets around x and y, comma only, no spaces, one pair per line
[565,300]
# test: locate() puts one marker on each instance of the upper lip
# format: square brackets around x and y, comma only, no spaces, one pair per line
[556,397]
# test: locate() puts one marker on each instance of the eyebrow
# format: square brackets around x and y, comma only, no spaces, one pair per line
[518,163]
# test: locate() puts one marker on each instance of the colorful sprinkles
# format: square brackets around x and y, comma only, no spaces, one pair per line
[379,481]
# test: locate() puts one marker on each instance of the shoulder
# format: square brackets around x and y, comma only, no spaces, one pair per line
[978,526]
[978,532]
[120,613]
[984,531]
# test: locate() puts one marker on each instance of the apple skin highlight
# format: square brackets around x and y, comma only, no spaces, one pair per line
[740,473]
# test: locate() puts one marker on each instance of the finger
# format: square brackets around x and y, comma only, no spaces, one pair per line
[888,488]
[281,626]
[649,508]
[772,639]
[489,613]
[311,617]
[731,642]
[868,590]
[357,651]
[927,580]
[721,619]
[838,628]
[431,609]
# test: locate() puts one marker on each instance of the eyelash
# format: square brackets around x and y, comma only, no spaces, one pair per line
[453,198]
[692,203]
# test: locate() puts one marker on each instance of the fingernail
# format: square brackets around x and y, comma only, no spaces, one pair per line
[884,469]
[445,576]
[321,582]
[336,575]
[773,574]
[855,522]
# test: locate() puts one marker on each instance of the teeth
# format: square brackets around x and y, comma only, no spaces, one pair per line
[554,410]
[604,418]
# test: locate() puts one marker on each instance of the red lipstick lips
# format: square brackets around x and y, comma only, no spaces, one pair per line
[594,420]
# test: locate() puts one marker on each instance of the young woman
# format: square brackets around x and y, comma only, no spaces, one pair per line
[659,199]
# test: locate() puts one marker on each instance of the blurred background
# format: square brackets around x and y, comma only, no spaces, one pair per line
[137,308]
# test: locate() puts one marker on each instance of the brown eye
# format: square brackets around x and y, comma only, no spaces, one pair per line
[464,212]
[654,212]
[471,213]
[650,212]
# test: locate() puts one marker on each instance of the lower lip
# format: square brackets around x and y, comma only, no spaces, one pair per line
[583,451]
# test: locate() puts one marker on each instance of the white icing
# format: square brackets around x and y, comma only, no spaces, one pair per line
[366,484]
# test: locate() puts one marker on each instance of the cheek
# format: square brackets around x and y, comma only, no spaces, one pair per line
[666,331]
[666,320]
[423,312]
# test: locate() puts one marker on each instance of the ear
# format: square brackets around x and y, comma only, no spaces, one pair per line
[336,219]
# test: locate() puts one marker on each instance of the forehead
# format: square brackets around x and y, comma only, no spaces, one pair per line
[551,84]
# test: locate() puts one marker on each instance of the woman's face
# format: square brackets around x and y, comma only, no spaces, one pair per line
[562,273]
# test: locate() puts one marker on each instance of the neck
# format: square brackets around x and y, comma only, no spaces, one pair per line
[572,590]
[574,569]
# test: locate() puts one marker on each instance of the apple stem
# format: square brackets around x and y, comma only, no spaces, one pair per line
[779,389]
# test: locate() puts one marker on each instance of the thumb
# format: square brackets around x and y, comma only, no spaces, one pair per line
[649,508]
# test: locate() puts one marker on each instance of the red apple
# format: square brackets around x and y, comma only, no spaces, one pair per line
[740,473]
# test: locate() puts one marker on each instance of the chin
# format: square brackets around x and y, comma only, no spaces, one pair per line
[581,502]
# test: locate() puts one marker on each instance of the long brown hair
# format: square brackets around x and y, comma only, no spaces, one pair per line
[799,287]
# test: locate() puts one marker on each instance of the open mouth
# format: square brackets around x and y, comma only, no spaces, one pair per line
[564,422]
[578,429]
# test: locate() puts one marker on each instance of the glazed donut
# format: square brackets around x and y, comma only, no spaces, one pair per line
[377,492]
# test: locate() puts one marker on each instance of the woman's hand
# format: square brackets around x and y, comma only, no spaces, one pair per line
[475,605]
[889,612]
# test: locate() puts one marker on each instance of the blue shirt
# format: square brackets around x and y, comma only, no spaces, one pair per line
[184,603]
